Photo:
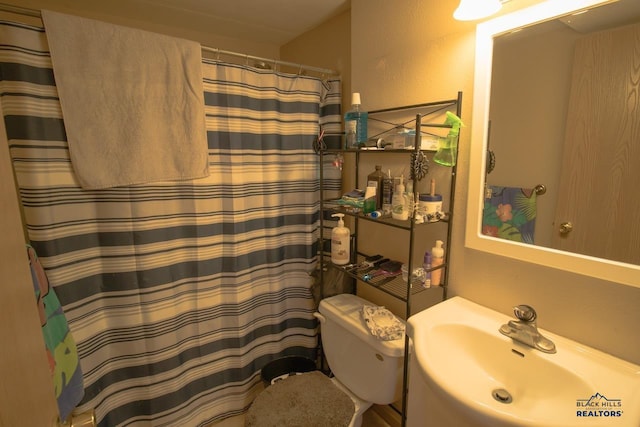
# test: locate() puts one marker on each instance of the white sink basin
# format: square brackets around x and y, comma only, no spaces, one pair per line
[498,382]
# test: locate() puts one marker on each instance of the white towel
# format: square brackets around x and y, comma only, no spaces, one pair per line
[132,102]
[382,323]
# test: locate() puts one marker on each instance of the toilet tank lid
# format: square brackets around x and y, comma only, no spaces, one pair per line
[346,310]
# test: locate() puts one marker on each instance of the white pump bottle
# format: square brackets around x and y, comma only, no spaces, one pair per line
[340,242]
[399,202]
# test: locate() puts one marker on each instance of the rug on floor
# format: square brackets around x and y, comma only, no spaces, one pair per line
[310,400]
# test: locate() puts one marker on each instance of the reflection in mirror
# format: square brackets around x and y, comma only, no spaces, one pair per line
[557,104]
[564,112]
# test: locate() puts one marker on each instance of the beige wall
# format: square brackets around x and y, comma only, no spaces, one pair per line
[176,23]
[326,46]
[413,51]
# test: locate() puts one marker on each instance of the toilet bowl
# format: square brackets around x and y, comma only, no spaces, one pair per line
[365,368]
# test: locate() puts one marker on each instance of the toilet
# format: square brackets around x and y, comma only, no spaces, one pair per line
[366,368]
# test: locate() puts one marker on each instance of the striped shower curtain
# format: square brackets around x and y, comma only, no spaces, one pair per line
[177,293]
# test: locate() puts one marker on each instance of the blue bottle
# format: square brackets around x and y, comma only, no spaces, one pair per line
[355,124]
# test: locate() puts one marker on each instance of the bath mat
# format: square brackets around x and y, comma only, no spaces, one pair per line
[310,400]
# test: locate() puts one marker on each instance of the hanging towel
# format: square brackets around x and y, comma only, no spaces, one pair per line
[132,102]
[62,354]
[382,323]
[510,213]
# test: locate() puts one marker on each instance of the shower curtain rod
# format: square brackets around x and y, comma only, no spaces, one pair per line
[264,62]
[260,62]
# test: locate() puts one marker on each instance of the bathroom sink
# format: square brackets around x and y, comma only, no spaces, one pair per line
[496,381]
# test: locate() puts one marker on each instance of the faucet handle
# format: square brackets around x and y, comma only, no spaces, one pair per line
[526,313]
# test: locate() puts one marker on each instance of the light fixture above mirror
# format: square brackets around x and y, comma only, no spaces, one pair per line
[605,269]
[470,10]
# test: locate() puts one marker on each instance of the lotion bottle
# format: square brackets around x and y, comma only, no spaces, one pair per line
[340,242]
[437,258]
[399,202]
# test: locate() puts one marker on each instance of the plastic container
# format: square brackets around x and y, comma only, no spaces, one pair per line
[280,369]
[430,206]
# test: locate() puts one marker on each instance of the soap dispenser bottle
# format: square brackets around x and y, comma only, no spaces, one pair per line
[340,242]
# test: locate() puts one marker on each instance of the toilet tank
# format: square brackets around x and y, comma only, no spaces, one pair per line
[371,368]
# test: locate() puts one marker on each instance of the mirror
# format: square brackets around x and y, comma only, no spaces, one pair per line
[490,37]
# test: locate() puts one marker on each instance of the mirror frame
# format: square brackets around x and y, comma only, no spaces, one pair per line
[628,274]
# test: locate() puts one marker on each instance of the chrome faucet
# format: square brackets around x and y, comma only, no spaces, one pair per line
[525,330]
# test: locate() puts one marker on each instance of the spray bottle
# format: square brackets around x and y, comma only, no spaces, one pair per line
[448,146]
[340,242]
